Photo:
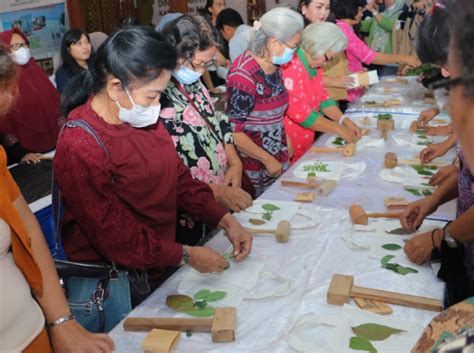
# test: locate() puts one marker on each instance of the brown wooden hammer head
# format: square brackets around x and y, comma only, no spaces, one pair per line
[224,324]
[282,232]
[339,291]
[390,160]
[349,150]
[358,215]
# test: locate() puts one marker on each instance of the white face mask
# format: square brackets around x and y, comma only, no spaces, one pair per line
[139,116]
[21,56]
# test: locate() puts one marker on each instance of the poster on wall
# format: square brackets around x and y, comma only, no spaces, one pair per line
[16,5]
[44,27]
[195,5]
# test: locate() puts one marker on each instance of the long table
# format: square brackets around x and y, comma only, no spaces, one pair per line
[309,260]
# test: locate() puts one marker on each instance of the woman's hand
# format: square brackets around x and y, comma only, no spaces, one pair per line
[348,123]
[442,174]
[426,116]
[233,176]
[433,151]
[240,238]
[32,158]
[412,61]
[70,337]
[342,81]
[414,214]
[234,199]
[418,249]
[439,130]
[206,260]
[346,134]
[273,167]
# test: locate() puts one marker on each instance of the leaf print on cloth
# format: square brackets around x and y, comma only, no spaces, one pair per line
[190,117]
[187,145]
[289,84]
[202,171]
[168,113]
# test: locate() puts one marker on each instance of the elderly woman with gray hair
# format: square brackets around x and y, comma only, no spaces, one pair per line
[309,100]
[257,98]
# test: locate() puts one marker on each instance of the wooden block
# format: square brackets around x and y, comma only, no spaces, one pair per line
[160,341]
[386,124]
[395,203]
[373,306]
[224,325]
[439,121]
[339,289]
[305,196]
[327,187]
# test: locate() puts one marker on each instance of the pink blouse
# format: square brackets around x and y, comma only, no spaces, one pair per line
[357,52]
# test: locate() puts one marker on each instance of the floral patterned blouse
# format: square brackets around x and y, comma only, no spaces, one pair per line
[199,146]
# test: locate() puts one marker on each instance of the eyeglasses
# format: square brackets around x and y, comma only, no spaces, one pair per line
[289,46]
[16,46]
[446,83]
[206,66]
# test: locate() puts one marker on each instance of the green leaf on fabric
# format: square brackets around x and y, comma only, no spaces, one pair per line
[206,312]
[189,333]
[267,216]
[217,295]
[375,332]
[386,116]
[426,172]
[427,192]
[339,141]
[405,270]
[202,294]
[424,143]
[413,191]
[256,221]
[200,304]
[270,207]
[385,260]
[228,256]
[391,247]
[311,174]
[179,302]
[361,344]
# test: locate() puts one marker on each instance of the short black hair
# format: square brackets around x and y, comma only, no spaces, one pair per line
[434,34]
[188,34]
[463,38]
[228,17]
[346,9]
[71,37]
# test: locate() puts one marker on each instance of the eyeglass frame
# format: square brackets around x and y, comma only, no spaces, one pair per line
[446,83]
[204,66]
[17,46]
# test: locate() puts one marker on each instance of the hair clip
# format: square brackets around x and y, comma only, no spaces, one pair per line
[257,25]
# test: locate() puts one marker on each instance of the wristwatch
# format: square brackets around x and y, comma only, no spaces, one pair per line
[452,243]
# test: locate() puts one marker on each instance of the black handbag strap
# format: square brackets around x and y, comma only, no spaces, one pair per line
[56,194]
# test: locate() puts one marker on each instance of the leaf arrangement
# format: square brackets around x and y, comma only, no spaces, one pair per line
[370,332]
[397,268]
[195,307]
[424,143]
[269,208]
[317,166]
[428,170]
[425,69]
[386,116]
[419,192]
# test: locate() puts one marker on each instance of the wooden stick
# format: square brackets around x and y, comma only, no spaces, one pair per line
[397,298]
[176,324]
[299,184]
[326,149]
[418,162]
[383,215]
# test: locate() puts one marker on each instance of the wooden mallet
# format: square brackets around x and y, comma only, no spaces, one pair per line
[391,161]
[348,150]
[222,325]
[342,289]
[281,233]
[359,216]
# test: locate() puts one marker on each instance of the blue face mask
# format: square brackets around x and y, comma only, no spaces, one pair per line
[186,76]
[285,58]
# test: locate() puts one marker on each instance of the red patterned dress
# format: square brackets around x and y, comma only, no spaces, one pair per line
[256,104]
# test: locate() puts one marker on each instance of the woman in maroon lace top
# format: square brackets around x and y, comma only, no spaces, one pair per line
[121,202]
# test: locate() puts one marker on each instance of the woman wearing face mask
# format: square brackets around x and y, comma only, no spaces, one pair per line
[137,181]
[76,50]
[309,101]
[202,136]
[257,98]
[32,126]
[348,14]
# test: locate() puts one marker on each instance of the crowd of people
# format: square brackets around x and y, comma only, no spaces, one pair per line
[163,167]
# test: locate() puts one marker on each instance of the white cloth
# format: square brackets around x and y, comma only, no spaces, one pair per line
[21,319]
[406,176]
[239,41]
[365,141]
[287,210]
